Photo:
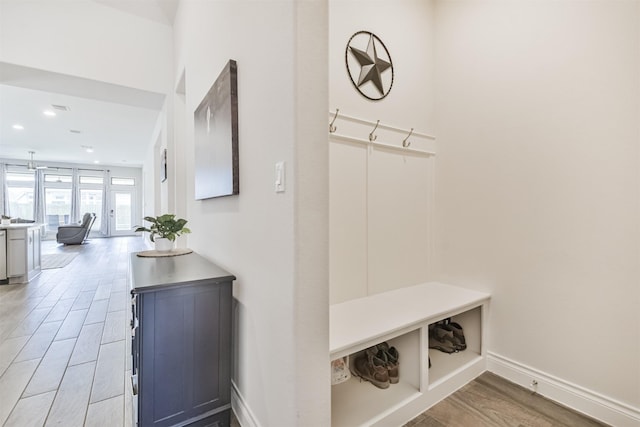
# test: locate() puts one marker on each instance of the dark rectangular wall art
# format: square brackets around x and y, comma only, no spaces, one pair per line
[216,138]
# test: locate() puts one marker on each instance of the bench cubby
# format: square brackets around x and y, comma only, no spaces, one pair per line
[402,317]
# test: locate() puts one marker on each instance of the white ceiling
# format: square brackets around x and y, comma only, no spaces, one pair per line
[117,122]
[119,134]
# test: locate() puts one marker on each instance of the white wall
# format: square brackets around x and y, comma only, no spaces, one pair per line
[538,180]
[406,28]
[380,205]
[86,39]
[156,193]
[275,244]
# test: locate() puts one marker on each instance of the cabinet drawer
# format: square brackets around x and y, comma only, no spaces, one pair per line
[16,234]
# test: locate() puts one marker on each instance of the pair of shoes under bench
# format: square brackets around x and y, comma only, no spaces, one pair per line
[447,338]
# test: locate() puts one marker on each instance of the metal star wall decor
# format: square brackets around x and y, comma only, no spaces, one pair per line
[368,62]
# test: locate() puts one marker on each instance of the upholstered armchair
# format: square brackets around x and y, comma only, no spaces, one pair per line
[75,234]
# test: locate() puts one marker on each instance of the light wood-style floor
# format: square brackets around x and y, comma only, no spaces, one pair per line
[492,401]
[63,340]
[64,354]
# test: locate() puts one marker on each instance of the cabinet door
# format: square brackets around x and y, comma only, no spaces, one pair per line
[30,246]
[3,254]
[184,367]
[36,248]
[16,256]
[135,341]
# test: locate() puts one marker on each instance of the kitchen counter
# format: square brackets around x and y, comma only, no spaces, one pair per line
[20,257]
[18,225]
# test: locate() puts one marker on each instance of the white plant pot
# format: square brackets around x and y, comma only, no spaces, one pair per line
[163,245]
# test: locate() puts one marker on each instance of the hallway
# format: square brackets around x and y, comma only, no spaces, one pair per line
[63,340]
[64,353]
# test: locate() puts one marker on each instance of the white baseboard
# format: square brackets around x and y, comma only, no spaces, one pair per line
[578,398]
[241,410]
[595,405]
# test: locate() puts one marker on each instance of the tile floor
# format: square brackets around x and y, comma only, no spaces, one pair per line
[63,340]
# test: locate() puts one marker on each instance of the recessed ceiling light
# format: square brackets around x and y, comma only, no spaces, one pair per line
[96,161]
[18,126]
[49,113]
[89,150]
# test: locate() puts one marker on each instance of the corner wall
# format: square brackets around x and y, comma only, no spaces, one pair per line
[538,182]
[381,201]
[275,243]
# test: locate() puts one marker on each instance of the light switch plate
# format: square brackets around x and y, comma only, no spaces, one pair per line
[280,177]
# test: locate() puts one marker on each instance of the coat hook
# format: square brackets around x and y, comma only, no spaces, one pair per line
[373,137]
[405,142]
[333,128]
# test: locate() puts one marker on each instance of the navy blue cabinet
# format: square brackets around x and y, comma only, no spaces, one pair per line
[181,341]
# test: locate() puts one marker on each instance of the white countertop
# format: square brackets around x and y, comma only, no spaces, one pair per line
[16,226]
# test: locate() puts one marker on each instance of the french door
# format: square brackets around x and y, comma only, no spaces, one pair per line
[121,215]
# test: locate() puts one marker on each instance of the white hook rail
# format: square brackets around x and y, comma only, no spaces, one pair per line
[345,138]
[403,134]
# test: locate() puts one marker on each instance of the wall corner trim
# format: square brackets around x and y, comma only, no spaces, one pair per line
[580,399]
[241,409]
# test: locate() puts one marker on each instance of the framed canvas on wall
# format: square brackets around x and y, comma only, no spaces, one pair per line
[216,138]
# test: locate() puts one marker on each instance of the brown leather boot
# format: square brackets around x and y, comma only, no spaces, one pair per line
[370,367]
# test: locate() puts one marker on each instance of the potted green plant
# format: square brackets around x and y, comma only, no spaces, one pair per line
[164,229]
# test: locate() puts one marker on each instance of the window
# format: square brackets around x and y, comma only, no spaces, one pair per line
[69,190]
[91,193]
[123,181]
[91,180]
[91,201]
[20,177]
[60,179]
[57,207]
[20,187]
[122,207]
[57,198]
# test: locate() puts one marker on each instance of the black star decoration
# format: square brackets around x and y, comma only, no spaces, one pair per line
[371,67]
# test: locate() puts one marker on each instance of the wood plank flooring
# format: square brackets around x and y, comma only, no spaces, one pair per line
[63,346]
[492,401]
